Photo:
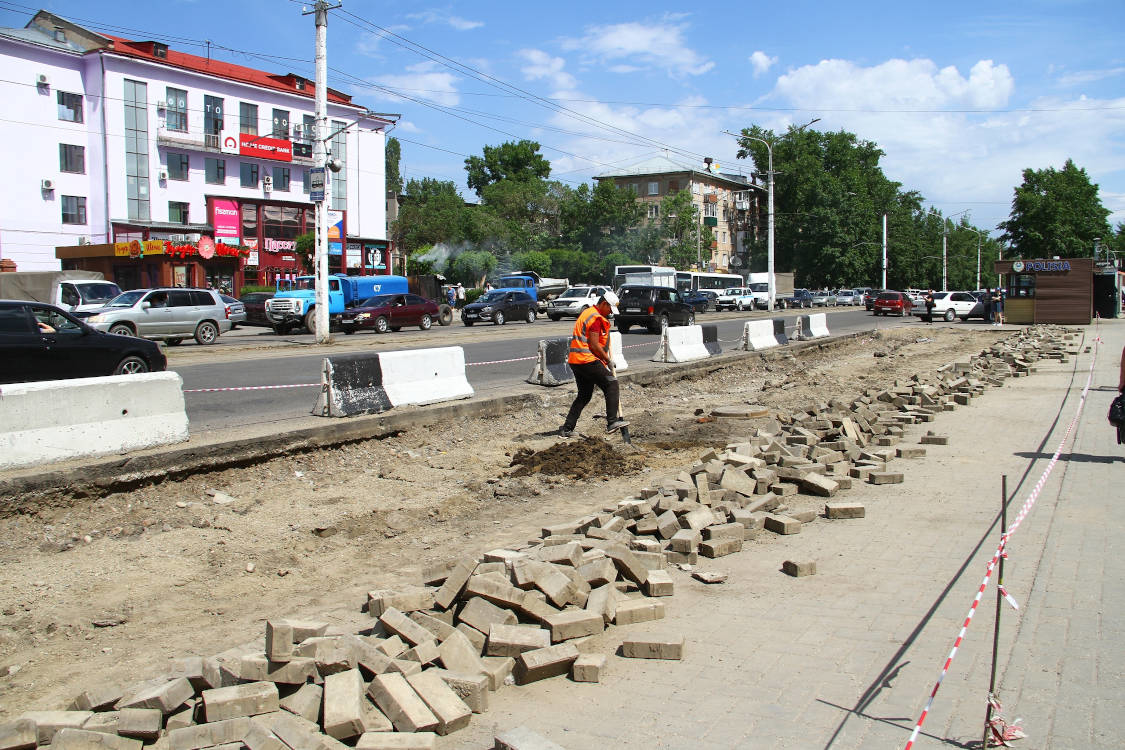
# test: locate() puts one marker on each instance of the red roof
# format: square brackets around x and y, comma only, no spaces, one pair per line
[220,69]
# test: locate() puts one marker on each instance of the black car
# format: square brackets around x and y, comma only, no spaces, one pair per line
[869,298]
[499,307]
[42,342]
[255,304]
[799,298]
[700,299]
[653,307]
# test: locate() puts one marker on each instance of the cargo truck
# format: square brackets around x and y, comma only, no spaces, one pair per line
[76,291]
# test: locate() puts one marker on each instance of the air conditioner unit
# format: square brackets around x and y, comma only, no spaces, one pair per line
[163,175]
[267,183]
[42,80]
[83,240]
[47,184]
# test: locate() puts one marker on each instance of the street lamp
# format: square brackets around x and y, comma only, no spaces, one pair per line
[769,240]
[978,234]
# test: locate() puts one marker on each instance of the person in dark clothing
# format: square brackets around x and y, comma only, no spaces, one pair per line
[987,302]
[929,300]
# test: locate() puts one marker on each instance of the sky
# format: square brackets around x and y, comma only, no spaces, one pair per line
[960,96]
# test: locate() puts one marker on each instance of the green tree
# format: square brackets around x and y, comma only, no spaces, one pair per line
[599,220]
[532,260]
[509,161]
[681,228]
[1055,212]
[471,267]
[306,251]
[433,212]
[578,266]
[393,155]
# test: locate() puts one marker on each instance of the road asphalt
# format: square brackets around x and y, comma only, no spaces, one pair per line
[847,658]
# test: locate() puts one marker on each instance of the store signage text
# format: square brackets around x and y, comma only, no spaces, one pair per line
[1033,266]
[280,246]
[265,147]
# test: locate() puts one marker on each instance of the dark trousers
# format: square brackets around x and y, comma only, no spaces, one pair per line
[586,376]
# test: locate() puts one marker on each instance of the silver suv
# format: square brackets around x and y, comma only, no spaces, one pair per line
[169,314]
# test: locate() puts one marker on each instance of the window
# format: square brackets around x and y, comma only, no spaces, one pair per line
[340,179]
[673,186]
[178,212]
[636,188]
[136,150]
[654,188]
[249,174]
[281,178]
[73,209]
[308,128]
[175,102]
[249,220]
[281,123]
[1022,285]
[248,118]
[653,210]
[14,320]
[216,170]
[212,120]
[70,107]
[306,180]
[281,222]
[177,166]
[710,209]
[72,158]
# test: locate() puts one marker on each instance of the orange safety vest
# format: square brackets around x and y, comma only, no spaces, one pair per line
[589,322]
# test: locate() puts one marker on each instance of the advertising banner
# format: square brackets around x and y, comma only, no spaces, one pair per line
[225,218]
[264,147]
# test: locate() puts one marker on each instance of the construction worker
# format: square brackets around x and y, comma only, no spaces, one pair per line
[589,359]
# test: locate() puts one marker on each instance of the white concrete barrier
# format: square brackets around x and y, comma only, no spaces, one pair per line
[681,344]
[372,383]
[58,420]
[812,326]
[616,353]
[551,363]
[758,335]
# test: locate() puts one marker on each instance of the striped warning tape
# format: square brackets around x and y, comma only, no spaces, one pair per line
[1001,549]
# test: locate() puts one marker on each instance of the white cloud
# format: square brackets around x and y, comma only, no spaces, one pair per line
[456,22]
[541,66]
[426,80]
[1089,76]
[761,62]
[628,47]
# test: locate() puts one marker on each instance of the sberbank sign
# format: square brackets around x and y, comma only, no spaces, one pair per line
[1033,266]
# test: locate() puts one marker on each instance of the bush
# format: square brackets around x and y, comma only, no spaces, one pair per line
[257,288]
[472,295]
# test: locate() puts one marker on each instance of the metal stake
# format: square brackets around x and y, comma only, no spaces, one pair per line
[999,602]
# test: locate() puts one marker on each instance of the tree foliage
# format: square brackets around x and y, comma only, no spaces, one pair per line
[520,161]
[393,155]
[305,250]
[471,267]
[532,260]
[1056,212]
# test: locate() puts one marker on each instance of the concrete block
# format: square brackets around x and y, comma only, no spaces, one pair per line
[454,583]
[250,699]
[167,696]
[482,614]
[816,484]
[405,667]
[784,489]
[513,640]
[402,626]
[424,653]
[588,667]
[96,699]
[554,584]
[397,699]
[627,563]
[80,739]
[497,669]
[471,688]
[296,671]
[653,647]
[393,646]
[781,524]
[404,600]
[452,713]
[885,477]
[644,609]
[279,640]
[603,602]
[305,702]
[499,593]
[201,672]
[303,629]
[20,734]
[440,629]
[343,705]
[522,738]
[720,547]
[208,735]
[542,663]
[477,638]
[140,723]
[370,658]
[106,721]
[459,654]
[680,558]
[659,582]
[909,451]
[598,572]
[844,510]
[799,569]
[563,554]
[934,440]
[259,738]
[574,623]
[685,541]
[397,741]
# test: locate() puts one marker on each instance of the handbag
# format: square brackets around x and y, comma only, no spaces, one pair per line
[1117,411]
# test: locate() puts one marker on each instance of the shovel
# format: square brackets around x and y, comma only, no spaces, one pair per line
[625,437]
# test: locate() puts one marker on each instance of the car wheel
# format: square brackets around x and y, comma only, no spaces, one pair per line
[310,321]
[554,317]
[498,318]
[121,330]
[131,366]
[530,316]
[690,319]
[468,323]
[664,322]
[964,318]
[426,323]
[174,342]
[445,315]
[381,324]
[206,333]
[950,315]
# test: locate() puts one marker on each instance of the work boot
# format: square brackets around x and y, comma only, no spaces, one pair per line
[566,432]
[616,424]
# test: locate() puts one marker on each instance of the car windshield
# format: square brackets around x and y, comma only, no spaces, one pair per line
[761,287]
[888,296]
[493,296]
[379,300]
[99,293]
[127,299]
[578,291]
[801,291]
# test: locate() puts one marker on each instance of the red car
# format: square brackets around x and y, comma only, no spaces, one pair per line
[898,303]
[390,312]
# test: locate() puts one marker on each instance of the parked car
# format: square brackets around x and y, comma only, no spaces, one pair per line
[390,312]
[847,297]
[889,302]
[255,304]
[799,298]
[42,342]
[699,299]
[917,296]
[869,298]
[500,306]
[823,298]
[236,311]
[573,301]
[169,314]
[950,305]
[735,298]
[653,307]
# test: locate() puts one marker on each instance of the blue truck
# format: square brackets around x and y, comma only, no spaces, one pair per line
[540,288]
[294,303]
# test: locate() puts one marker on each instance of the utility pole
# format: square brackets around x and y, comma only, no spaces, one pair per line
[884,252]
[944,259]
[320,160]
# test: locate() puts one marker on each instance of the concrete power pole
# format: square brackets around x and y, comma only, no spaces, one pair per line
[320,160]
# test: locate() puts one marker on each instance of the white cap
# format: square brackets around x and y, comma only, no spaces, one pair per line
[613,301]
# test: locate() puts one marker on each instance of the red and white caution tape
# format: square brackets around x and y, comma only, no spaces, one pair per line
[501,361]
[1000,549]
[251,388]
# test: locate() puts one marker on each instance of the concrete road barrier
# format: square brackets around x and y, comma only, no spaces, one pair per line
[813,326]
[779,332]
[617,352]
[551,368]
[57,420]
[758,335]
[681,344]
[372,383]
[711,339]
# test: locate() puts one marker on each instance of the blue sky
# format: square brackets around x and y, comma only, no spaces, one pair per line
[962,96]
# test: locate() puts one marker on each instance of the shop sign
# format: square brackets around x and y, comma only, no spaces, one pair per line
[206,248]
[138,249]
[252,258]
[335,232]
[225,218]
[1040,266]
[280,246]
[264,147]
[375,256]
[170,237]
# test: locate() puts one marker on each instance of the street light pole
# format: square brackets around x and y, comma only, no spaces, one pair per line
[884,252]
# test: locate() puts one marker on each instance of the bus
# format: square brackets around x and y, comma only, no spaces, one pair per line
[690,281]
[647,275]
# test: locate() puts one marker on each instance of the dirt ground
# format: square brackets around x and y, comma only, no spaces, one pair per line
[110,591]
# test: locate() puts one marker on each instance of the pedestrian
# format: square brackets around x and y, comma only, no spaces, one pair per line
[451,296]
[589,360]
[1121,377]
[987,302]
[488,286]
[998,307]
[929,300]
[460,295]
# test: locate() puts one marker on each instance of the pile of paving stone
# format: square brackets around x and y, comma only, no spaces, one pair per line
[432,653]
